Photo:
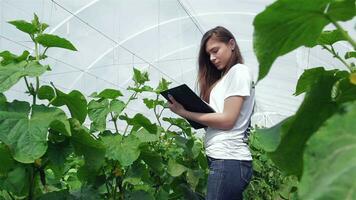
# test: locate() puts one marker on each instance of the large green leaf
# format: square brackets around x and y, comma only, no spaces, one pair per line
[107,94]
[346,91]
[139,121]
[330,37]
[24,26]
[310,77]
[175,169]
[288,24]
[123,149]
[57,154]
[117,106]
[193,177]
[25,131]
[152,159]
[144,136]
[315,109]
[48,40]
[15,182]
[10,74]
[136,174]
[75,101]
[7,162]
[330,161]
[98,112]
[85,144]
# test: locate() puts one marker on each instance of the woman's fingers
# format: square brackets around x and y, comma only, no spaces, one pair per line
[173,101]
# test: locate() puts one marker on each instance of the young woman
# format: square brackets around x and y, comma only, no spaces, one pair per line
[226,84]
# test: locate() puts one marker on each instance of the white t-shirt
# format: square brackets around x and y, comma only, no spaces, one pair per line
[222,144]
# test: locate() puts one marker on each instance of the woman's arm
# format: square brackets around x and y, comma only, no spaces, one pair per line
[224,121]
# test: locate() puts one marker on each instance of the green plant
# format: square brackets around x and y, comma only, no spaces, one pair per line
[268,181]
[47,155]
[298,145]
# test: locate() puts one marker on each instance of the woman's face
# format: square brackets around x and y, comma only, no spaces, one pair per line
[220,53]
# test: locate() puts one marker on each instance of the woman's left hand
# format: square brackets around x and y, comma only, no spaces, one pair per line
[175,106]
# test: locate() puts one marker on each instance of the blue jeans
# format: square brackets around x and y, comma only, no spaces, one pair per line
[228,178]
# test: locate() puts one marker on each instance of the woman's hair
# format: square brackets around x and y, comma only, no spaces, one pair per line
[208,74]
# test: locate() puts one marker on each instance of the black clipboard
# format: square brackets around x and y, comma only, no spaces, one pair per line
[190,101]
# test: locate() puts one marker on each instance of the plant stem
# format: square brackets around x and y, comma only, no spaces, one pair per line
[343,32]
[37,78]
[161,112]
[128,101]
[10,195]
[332,51]
[114,120]
[32,179]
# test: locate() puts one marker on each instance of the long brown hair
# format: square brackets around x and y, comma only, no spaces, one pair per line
[208,74]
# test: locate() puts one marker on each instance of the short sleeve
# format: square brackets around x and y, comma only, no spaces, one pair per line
[238,82]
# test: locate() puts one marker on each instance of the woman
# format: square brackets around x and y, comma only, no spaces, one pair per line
[226,84]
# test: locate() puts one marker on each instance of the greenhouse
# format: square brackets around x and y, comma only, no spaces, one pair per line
[110,99]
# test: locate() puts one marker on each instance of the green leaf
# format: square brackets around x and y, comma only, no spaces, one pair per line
[8,57]
[136,174]
[193,177]
[330,37]
[117,106]
[123,149]
[350,54]
[196,148]
[330,162]
[152,159]
[7,162]
[48,40]
[140,194]
[181,123]
[98,112]
[15,183]
[288,24]
[152,103]
[92,149]
[75,101]
[269,139]
[140,77]
[57,154]
[175,169]
[24,26]
[162,86]
[2,101]
[10,74]
[309,78]
[57,195]
[107,94]
[145,88]
[46,92]
[346,91]
[144,136]
[139,121]
[316,107]
[25,133]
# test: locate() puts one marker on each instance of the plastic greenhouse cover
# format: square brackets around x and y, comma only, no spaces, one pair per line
[162,37]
